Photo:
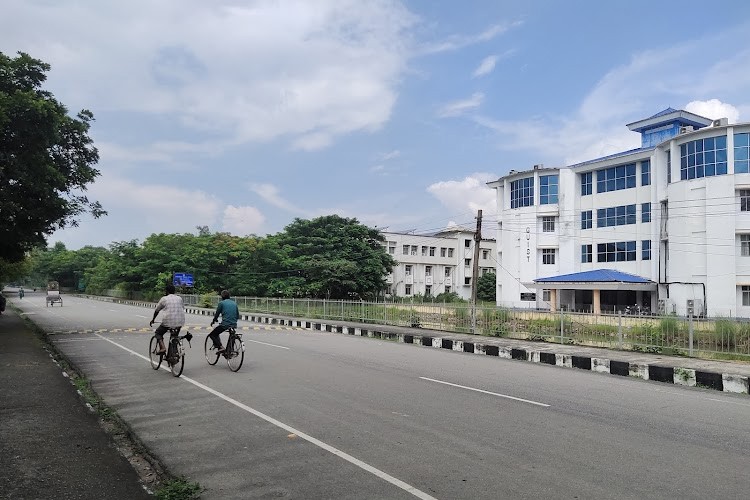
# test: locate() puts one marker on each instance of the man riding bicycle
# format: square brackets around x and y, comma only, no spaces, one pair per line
[230,313]
[174,315]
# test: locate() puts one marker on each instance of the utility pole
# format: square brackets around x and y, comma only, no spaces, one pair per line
[475,272]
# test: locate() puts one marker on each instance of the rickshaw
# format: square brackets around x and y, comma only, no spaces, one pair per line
[53,294]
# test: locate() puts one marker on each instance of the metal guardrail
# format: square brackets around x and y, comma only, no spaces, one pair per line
[710,338]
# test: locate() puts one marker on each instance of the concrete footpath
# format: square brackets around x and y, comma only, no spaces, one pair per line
[51,444]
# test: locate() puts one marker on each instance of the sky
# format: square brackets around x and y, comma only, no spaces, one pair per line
[244,115]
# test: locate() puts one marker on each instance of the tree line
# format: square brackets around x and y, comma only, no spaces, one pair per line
[326,257]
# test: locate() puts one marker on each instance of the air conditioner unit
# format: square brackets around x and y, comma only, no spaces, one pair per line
[694,308]
[665,306]
[686,129]
[721,122]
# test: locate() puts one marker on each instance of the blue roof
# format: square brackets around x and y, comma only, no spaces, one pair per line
[662,113]
[609,157]
[595,276]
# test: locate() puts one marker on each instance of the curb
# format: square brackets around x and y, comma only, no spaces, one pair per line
[725,382]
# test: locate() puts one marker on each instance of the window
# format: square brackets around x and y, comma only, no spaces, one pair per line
[703,158]
[586,251]
[407,270]
[467,262]
[428,270]
[645,172]
[615,252]
[548,224]
[745,200]
[522,193]
[615,178]
[428,290]
[424,251]
[447,289]
[442,251]
[467,280]
[432,251]
[406,249]
[586,219]
[548,189]
[450,252]
[745,245]
[392,247]
[669,167]
[546,296]
[586,183]
[447,272]
[548,255]
[407,289]
[742,153]
[645,212]
[467,243]
[485,254]
[745,295]
[646,249]
[528,297]
[486,270]
[615,216]
[414,249]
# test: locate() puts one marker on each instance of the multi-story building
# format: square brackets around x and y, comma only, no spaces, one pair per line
[438,263]
[665,226]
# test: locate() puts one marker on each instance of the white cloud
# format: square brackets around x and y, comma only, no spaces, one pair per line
[714,109]
[457,42]
[270,194]
[243,221]
[467,195]
[245,72]
[391,155]
[486,66]
[666,76]
[458,108]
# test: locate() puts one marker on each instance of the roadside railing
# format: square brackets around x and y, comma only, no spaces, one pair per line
[683,336]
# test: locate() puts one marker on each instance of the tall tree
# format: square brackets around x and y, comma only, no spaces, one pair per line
[487,287]
[46,159]
[333,257]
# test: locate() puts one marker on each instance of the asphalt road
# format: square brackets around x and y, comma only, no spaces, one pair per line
[321,415]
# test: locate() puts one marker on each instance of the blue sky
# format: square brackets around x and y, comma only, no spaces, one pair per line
[242,115]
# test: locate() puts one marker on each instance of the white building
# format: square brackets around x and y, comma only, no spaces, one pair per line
[438,263]
[674,215]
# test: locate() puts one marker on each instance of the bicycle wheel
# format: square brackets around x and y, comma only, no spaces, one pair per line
[212,357]
[176,359]
[153,357]
[235,353]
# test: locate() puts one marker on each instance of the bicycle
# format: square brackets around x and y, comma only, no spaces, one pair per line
[234,352]
[175,354]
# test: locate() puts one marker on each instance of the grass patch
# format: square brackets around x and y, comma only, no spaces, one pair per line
[179,488]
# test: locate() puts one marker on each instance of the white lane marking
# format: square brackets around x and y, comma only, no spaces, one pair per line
[63,341]
[141,316]
[728,402]
[266,343]
[113,310]
[486,392]
[355,461]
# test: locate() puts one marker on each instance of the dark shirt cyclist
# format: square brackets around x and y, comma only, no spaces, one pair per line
[230,313]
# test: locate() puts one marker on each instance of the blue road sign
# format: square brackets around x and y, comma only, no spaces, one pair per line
[183,279]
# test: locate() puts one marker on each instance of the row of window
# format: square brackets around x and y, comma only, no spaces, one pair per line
[620,251]
[429,251]
[615,178]
[615,216]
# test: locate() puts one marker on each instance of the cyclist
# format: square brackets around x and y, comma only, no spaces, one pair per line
[230,313]
[174,315]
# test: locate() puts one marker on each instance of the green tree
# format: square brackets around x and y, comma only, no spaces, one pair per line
[487,287]
[332,257]
[46,159]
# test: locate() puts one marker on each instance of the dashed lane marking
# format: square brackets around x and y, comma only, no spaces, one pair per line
[193,328]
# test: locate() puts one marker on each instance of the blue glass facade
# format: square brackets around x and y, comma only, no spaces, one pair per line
[615,178]
[586,178]
[548,189]
[741,153]
[615,216]
[619,251]
[703,158]
[522,193]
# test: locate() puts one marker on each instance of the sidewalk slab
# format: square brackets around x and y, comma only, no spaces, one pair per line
[51,444]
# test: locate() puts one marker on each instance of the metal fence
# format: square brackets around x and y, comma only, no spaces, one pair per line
[711,338]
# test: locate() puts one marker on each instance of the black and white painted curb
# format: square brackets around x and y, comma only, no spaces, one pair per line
[726,382]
